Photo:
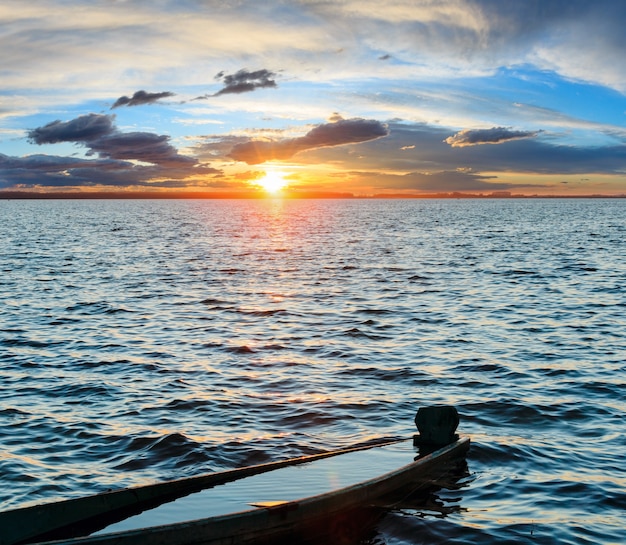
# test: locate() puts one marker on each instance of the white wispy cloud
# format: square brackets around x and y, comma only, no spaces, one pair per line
[139,43]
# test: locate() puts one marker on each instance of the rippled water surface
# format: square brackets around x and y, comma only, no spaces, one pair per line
[149,340]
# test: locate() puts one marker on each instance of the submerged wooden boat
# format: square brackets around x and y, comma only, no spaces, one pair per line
[307,496]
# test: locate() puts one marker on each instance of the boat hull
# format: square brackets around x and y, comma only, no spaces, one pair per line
[317,515]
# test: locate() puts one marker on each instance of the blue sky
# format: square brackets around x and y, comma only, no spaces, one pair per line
[363,97]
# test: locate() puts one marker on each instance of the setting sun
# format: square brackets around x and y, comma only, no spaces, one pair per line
[273,181]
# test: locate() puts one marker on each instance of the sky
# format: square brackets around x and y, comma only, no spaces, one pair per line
[364,97]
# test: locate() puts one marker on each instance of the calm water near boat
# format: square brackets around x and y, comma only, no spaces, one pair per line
[149,340]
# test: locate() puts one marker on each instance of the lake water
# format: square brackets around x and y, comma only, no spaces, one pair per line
[150,340]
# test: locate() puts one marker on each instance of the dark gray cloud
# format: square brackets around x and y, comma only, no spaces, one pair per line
[53,171]
[116,162]
[141,98]
[494,135]
[343,131]
[245,81]
[101,136]
[141,146]
[85,128]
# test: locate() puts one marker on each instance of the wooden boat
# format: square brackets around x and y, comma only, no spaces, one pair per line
[307,497]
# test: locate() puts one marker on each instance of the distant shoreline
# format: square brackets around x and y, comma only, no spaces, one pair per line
[179,195]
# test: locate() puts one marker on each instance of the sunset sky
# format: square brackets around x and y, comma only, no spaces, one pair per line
[357,96]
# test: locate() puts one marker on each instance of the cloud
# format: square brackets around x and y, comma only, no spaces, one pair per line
[123,159]
[244,81]
[495,135]
[52,171]
[575,38]
[84,129]
[41,162]
[141,146]
[341,132]
[479,36]
[99,134]
[140,98]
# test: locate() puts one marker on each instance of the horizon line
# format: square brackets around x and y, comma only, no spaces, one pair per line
[250,195]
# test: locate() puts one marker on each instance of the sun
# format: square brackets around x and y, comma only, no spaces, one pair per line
[273,181]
